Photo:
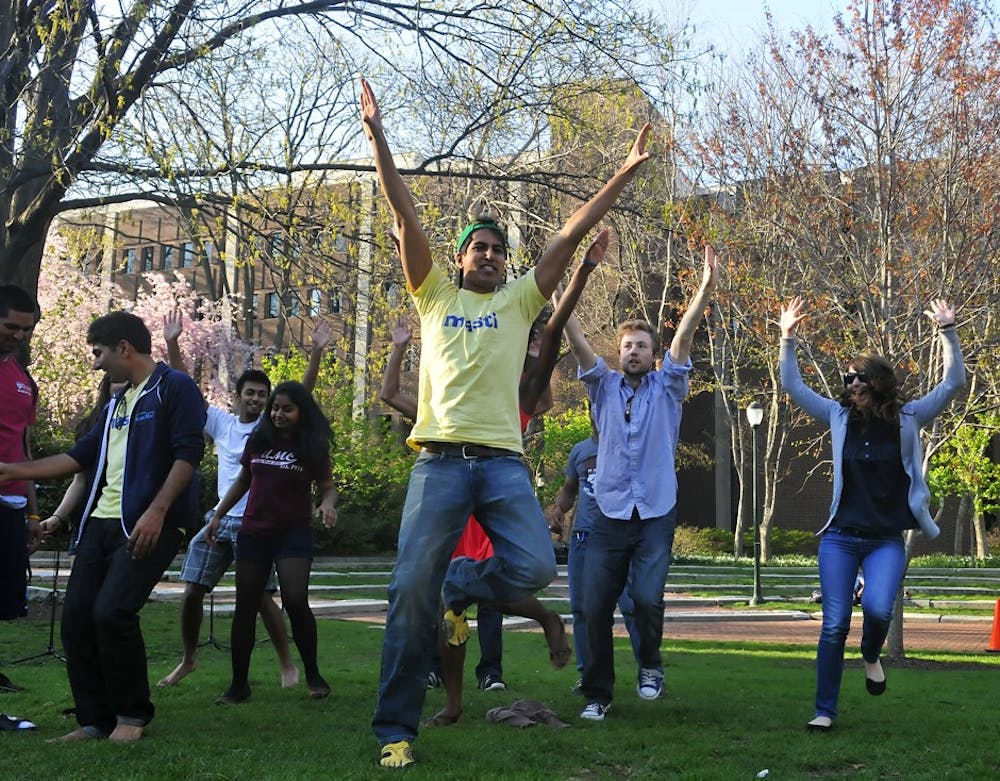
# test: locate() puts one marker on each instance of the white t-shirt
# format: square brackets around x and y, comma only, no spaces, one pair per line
[230,437]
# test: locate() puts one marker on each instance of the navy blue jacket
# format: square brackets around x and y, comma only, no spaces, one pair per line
[166,426]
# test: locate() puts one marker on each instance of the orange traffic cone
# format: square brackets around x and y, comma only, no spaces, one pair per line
[994,646]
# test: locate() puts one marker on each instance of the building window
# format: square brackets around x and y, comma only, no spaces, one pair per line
[187,254]
[254,304]
[208,250]
[314,302]
[276,243]
[340,243]
[294,304]
[167,256]
[273,304]
[335,301]
[147,258]
[128,260]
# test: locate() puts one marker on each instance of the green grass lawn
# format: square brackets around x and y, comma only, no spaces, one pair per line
[731,711]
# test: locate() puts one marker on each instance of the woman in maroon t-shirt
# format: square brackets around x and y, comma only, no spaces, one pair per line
[286,453]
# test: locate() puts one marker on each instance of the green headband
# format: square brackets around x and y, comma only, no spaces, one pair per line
[473,227]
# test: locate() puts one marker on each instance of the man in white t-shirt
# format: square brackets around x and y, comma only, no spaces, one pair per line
[205,563]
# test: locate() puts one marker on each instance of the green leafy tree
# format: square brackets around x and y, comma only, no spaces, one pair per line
[963,467]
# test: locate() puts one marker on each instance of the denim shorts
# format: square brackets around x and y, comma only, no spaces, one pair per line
[205,563]
[293,543]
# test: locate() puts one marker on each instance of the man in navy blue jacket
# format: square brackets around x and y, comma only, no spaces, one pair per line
[141,502]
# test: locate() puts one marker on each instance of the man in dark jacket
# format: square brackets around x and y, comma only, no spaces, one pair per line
[141,501]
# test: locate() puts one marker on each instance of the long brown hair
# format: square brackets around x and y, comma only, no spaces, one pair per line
[883,385]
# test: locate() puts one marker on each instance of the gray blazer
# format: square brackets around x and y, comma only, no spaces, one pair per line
[912,417]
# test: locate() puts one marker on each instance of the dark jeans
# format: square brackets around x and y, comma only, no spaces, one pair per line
[13,563]
[489,627]
[105,652]
[613,547]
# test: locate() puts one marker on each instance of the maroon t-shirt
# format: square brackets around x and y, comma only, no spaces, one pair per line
[279,496]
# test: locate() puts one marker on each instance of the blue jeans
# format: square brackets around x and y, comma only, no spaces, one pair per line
[489,628]
[614,547]
[577,565]
[883,563]
[443,492]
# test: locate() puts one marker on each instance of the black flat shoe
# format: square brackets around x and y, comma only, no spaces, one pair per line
[875,688]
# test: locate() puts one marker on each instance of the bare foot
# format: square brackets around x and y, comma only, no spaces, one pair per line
[318,688]
[82,733]
[555,635]
[127,733]
[443,718]
[180,672]
[289,676]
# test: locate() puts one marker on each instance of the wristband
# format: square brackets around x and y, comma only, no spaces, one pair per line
[588,262]
[33,517]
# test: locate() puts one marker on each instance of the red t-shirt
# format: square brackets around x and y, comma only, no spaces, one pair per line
[279,496]
[18,401]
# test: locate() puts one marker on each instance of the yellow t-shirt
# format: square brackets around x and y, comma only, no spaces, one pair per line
[109,505]
[472,354]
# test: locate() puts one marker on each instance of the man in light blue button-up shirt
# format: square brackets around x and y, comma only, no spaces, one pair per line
[638,413]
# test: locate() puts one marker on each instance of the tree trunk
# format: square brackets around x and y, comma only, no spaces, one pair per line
[963,511]
[895,647]
[979,527]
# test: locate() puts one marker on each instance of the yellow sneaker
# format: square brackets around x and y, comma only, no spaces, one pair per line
[456,628]
[398,754]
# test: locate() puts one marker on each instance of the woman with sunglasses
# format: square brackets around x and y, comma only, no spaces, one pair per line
[879,491]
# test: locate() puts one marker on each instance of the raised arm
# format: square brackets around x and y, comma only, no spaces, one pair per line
[173,327]
[414,249]
[559,251]
[534,384]
[680,346]
[390,393]
[320,339]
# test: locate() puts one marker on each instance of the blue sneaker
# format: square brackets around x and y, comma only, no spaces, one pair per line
[595,711]
[650,686]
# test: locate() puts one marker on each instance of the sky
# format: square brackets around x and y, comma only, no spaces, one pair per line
[731,24]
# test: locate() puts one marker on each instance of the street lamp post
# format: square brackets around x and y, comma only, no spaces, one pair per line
[755,416]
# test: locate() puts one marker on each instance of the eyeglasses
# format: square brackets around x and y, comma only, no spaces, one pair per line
[850,377]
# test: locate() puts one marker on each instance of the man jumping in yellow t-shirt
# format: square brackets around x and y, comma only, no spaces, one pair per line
[473,338]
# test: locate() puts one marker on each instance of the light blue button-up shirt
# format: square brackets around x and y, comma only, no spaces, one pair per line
[635,456]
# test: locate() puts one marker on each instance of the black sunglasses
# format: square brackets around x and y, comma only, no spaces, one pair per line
[850,377]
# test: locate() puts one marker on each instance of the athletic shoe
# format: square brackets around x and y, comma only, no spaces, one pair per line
[434,680]
[398,754]
[595,711]
[650,685]
[490,684]
[456,628]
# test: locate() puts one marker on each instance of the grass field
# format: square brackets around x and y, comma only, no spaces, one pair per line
[731,712]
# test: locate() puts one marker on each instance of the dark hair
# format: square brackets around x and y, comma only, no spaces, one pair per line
[16,298]
[114,327]
[252,375]
[86,423]
[640,325]
[312,437]
[884,386]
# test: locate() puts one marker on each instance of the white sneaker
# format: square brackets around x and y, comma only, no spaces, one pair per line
[650,686]
[595,711]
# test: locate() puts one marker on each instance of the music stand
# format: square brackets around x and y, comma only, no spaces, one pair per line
[211,626]
[53,598]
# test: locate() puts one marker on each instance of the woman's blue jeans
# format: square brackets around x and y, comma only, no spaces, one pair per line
[883,563]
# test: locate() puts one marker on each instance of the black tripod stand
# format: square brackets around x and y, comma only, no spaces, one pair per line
[53,599]
[211,640]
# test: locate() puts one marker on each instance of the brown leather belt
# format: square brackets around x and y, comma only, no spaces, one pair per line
[466,450]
